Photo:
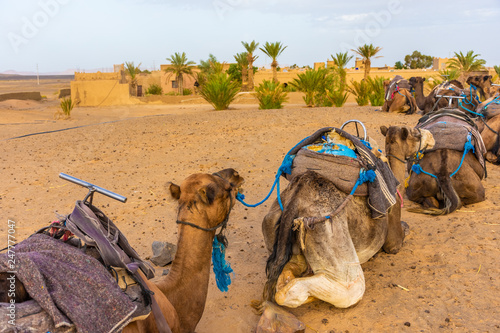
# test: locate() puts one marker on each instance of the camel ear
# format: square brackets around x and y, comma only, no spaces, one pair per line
[469,79]
[175,190]
[404,133]
[207,194]
[487,77]
[383,130]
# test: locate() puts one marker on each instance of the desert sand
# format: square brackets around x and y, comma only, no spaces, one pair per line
[445,278]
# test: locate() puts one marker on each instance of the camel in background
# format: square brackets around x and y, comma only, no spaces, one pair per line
[428,103]
[398,97]
[444,178]
[482,83]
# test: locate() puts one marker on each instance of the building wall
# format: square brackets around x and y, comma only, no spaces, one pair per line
[100,92]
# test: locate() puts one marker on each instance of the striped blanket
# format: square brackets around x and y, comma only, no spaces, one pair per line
[381,192]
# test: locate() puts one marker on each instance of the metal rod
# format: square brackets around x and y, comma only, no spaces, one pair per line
[357,122]
[496,85]
[451,96]
[98,189]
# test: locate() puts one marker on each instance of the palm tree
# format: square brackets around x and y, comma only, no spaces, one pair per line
[273,50]
[466,63]
[250,47]
[340,60]
[242,60]
[367,52]
[180,66]
[132,70]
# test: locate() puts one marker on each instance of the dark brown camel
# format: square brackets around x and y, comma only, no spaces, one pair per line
[427,103]
[482,83]
[436,188]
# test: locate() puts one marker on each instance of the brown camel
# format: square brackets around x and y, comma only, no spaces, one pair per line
[398,97]
[489,127]
[445,182]
[323,262]
[428,103]
[482,83]
[205,201]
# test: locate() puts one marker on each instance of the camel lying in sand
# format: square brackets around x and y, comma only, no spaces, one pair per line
[447,176]
[204,201]
[323,262]
[398,97]
[489,126]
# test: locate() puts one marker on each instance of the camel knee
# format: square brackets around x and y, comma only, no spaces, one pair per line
[323,286]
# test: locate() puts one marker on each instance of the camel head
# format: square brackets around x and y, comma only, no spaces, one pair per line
[206,198]
[416,81]
[482,83]
[403,141]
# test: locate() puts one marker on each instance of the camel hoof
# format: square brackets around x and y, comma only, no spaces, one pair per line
[406,228]
[274,319]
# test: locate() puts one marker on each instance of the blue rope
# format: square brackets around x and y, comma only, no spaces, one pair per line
[467,147]
[285,168]
[364,176]
[418,170]
[463,107]
[494,101]
[221,267]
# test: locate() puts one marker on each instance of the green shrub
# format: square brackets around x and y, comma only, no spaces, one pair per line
[171,93]
[311,82]
[219,90]
[361,90]
[66,106]
[338,98]
[154,89]
[187,91]
[271,95]
[377,90]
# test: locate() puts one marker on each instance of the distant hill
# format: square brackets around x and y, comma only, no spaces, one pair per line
[8,76]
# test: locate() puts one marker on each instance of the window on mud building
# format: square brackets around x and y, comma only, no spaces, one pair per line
[174,84]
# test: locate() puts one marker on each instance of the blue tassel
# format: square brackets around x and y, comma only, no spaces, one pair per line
[286,166]
[416,168]
[221,267]
[364,176]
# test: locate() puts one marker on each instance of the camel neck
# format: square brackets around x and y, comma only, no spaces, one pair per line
[398,169]
[186,285]
[419,96]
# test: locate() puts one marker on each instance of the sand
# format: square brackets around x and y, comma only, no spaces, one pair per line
[445,278]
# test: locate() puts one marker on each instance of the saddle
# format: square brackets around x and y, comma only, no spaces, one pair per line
[450,129]
[104,241]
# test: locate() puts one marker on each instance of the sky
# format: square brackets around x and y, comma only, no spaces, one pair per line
[89,35]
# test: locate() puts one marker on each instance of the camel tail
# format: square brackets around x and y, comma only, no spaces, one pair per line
[452,201]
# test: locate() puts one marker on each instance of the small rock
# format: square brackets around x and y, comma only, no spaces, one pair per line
[163,253]
[407,324]
[324,321]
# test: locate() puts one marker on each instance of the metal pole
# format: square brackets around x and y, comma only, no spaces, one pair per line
[90,186]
